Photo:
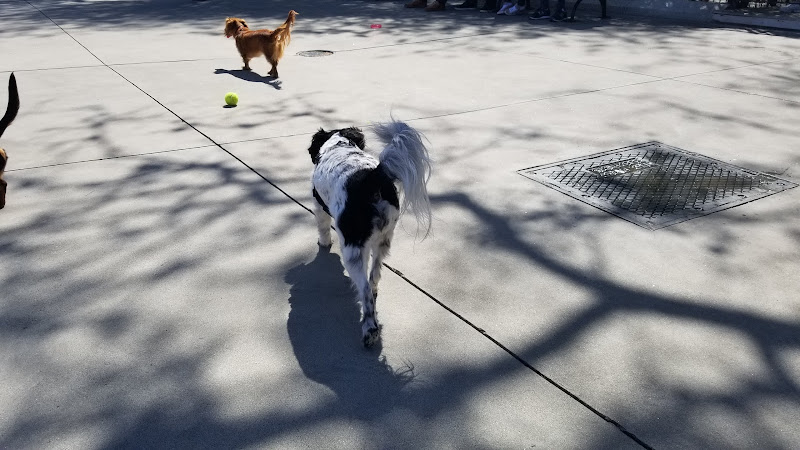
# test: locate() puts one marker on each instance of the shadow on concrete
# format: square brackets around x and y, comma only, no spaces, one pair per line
[120,312]
[324,330]
[682,414]
[155,393]
[249,75]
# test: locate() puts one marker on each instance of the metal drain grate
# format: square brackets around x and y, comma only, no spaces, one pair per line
[315,53]
[654,185]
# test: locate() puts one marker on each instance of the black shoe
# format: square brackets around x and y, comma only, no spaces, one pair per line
[559,16]
[540,14]
[468,4]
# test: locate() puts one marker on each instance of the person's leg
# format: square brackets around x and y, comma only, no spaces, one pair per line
[560,13]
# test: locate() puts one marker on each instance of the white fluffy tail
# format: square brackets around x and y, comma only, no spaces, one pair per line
[405,158]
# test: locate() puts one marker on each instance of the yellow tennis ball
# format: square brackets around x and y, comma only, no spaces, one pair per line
[231,99]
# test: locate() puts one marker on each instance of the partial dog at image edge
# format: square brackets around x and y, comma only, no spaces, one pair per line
[252,43]
[357,191]
[11,113]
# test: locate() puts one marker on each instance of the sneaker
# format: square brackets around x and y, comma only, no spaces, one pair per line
[559,16]
[504,8]
[540,13]
[417,4]
[468,4]
[435,6]
[489,6]
[515,10]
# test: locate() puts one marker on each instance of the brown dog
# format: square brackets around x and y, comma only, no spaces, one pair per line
[11,113]
[252,43]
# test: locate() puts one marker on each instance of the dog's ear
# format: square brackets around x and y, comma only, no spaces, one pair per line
[319,139]
[354,135]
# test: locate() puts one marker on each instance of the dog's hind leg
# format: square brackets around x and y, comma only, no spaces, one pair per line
[355,261]
[323,221]
[379,252]
[273,72]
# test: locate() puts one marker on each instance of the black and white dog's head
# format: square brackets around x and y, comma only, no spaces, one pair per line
[353,134]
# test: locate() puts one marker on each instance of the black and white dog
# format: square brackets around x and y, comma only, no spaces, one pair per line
[358,191]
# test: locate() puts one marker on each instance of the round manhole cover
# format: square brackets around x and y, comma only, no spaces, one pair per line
[314,53]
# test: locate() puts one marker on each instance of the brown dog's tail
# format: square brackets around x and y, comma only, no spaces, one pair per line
[13,104]
[289,19]
[283,33]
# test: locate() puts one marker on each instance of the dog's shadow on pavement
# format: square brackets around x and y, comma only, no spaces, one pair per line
[249,75]
[325,334]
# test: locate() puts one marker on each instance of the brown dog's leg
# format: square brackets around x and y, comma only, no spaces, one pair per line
[246,63]
[273,72]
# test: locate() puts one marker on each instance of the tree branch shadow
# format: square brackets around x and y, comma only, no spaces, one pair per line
[772,337]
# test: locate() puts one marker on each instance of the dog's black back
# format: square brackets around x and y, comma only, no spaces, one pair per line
[365,189]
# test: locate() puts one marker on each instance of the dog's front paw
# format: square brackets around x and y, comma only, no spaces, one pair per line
[371,334]
[325,242]
[246,68]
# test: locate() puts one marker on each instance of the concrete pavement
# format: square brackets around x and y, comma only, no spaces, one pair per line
[161,285]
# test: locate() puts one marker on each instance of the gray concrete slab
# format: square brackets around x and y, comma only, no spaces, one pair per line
[179,300]
[676,315]
[297,103]
[599,302]
[776,80]
[29,41]
[80,114]
[716,294]
[164,298]
[632,46]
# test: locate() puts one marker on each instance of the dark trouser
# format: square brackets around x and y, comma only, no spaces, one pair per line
[545,4]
